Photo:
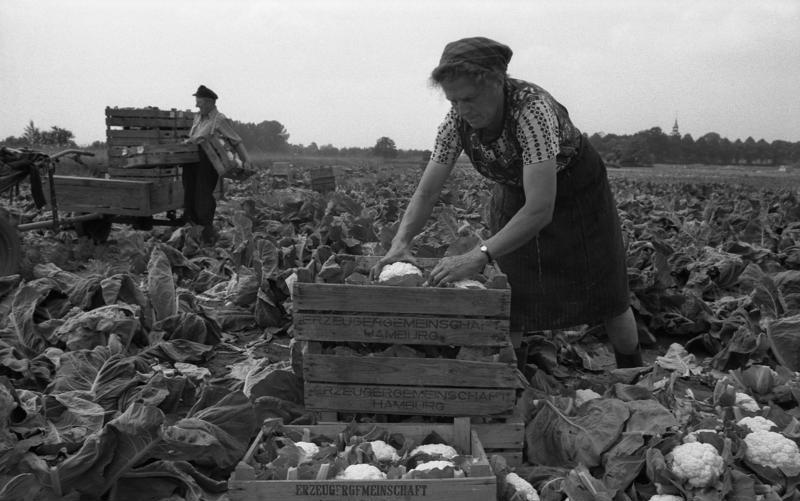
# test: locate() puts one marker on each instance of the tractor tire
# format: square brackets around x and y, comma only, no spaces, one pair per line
[10,248]
[96,229]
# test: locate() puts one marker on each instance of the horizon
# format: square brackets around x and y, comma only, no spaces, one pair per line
[345,73]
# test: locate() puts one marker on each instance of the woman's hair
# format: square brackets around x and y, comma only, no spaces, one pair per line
[479,74]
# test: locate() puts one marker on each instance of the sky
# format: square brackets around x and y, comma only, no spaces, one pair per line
[347,72]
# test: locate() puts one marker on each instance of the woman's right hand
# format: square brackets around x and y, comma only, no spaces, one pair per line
[394,255]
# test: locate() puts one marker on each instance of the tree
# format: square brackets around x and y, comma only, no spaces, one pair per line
[385,148]
[32,134]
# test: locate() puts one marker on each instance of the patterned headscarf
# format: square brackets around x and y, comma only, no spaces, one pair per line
[480,51]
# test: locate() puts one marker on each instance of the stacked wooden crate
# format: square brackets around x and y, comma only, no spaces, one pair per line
[323,179]
[480,484]
[130,128]
[329,318]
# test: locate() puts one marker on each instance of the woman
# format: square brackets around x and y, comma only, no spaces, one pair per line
[555,229]
[200,179]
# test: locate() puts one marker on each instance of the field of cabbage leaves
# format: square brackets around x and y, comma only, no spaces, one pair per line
[143,367]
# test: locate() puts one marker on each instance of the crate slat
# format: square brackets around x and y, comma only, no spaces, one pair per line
[148,113]
[409,400]
[408,371]
[433,330]
[401,300]
[150,122]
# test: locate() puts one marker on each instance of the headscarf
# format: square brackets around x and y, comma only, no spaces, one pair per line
[479,51]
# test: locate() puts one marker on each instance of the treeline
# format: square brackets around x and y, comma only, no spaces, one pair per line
[33,136]
[654,146]
[643,148]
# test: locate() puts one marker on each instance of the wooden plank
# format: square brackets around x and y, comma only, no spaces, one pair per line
[462,489]
[151,173]
[442,401]
[411,300]
[148,112]
[406,329]
[150,123]
[508,435]
[160,158]
[409,371]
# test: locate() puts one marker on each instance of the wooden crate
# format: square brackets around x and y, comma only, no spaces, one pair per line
[133,127]
[323,179]
[282,170]
[157,155]
[127,197]
[393,315]
[480,485]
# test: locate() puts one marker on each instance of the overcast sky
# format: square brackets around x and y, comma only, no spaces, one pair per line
[346,72]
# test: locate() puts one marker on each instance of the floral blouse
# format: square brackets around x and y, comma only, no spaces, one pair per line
[537,128]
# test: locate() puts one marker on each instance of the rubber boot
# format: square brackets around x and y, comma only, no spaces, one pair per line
[626,361]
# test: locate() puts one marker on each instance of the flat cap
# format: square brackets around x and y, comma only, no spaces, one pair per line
[204,91]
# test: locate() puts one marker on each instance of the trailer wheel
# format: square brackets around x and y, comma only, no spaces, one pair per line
[96,229]
[10,249]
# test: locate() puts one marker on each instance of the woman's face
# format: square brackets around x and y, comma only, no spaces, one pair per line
[480,104]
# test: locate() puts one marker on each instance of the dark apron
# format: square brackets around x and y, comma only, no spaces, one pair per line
[574,272]
[199,181]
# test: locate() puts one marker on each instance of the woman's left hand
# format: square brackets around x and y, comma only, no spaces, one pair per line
[454,268]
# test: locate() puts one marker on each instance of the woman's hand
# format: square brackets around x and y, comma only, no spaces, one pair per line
[454,268]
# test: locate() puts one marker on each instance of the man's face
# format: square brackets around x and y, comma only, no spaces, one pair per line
[204,104]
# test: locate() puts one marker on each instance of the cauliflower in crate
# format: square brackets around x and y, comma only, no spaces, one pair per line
[361,472]
[401,273]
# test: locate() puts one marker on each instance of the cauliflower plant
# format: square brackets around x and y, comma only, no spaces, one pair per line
[756,423]
[698,463]
[361,472]
[523,487]
[771,449]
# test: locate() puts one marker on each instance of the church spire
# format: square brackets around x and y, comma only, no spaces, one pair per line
[675,131]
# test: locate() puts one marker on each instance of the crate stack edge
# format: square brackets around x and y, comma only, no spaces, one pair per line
[480,485]
[435,317]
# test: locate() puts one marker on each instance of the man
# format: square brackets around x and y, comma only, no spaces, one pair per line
[200,179]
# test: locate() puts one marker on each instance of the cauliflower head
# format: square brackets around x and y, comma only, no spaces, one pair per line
[746,402]
[583,396]
[384,451]
[442,451]
[771,449]
[523,487]
[468,284]
[361,472]
[665,497]
[756,423]
[400,273]
[697,463]
[309,450]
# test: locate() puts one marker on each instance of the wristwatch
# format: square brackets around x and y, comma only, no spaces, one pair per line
[485,250]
